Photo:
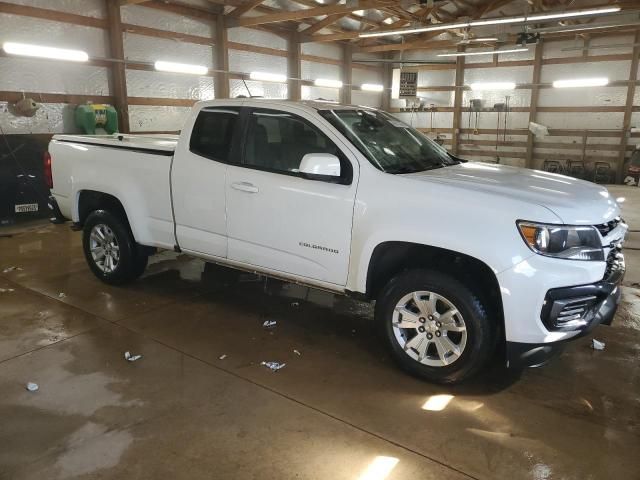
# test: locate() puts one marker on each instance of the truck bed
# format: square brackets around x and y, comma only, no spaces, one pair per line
[163,144]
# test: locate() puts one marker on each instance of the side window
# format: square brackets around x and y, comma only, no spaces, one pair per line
[277,141]
[213,131]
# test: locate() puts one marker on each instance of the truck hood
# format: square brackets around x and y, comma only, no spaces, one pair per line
[575,202]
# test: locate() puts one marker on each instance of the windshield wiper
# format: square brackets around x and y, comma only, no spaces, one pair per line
[401,170]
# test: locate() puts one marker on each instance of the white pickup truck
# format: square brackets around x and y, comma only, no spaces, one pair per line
[462,258]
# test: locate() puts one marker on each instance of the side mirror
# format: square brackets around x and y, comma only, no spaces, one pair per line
[324,164]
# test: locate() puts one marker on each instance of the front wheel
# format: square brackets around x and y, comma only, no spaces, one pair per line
[435,326]
[110,249]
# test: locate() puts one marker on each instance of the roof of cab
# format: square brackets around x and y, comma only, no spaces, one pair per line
[310,104]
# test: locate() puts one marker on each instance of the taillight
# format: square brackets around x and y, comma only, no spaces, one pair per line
[48,175]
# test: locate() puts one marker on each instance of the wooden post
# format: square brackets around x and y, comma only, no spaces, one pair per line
[295,67]
[222,59]
[628,110]
[457,101]
[347,73]
[387,77]
[533,106]
[118,70]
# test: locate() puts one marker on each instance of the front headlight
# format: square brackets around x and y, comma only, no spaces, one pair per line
[562,241]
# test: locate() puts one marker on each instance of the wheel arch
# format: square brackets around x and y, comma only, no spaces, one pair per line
[390,258]
[92,200]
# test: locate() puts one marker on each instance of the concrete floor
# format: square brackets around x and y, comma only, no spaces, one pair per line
[340,409]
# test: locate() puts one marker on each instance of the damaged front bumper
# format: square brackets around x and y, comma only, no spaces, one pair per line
[578,309]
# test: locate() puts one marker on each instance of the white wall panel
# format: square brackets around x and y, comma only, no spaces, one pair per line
[90,8]
[436,78]
[313,70]
[323,49]
[503,57]
[140,48]
[423,119]
[147,118]
[517,98]
[581,121]
[258,89]
[259,38]
[369,99]
[173,22]
[361,76]
[141,83]
[320,93]
[612,70]
[499,74]
[17,28]
[51,118]
[439,99]
[246,62]
[35,75]
[592,96]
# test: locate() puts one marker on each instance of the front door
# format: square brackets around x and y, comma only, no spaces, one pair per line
[198,182]
[277,218]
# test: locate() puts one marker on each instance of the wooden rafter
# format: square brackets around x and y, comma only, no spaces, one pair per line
[307,13]
[242,9]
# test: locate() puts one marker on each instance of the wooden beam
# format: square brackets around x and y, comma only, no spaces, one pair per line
[347,73]
[222,59]
[295,67]
[307,13]
[457,101]
[118,71]
[631,91]
[47,14]
[535,94]
[324,23]
[387,75]
[244,8]
[157,33]
[10,96]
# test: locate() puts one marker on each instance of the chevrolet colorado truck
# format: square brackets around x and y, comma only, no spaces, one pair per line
[463,259]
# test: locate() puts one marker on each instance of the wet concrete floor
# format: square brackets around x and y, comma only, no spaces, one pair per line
[340,409]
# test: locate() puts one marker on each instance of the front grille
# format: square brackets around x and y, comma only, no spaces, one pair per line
[574,311]
[605,228]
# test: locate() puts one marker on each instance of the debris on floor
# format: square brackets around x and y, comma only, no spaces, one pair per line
[297,352]
[269,323]
[131,358]
[597,345]
[6,290]
[222,357]
[62,295]
[273,366]
[11,269]
[295,304]
[32,387]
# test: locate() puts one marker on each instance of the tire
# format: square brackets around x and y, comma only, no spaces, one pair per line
[450,355]
[127,261]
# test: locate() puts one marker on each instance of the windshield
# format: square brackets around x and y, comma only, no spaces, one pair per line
[389,144]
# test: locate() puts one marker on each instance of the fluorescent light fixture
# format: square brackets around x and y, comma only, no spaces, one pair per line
[483,39]
[268,77]
[487,52]
[430,28]
[27,50]
[581,82]
[494,21]
[324,82]
[493,86]
[372,87]
[576,13]
[163,66]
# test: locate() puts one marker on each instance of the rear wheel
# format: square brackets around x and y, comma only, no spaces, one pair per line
[110,249]
[435,326]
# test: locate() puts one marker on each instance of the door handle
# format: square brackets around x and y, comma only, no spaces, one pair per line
[245,187]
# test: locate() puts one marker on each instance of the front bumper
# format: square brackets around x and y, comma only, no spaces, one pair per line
[584,307]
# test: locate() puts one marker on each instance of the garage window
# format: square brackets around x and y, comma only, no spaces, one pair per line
[213,133]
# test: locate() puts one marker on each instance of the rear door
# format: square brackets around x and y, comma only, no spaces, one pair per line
[279,220]
[198,181]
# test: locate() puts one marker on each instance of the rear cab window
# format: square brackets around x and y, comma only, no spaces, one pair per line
[212,134]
